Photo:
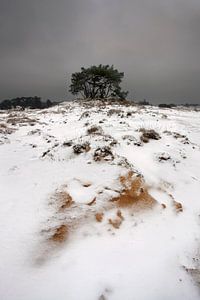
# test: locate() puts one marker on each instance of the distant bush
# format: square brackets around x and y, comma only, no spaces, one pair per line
[144,102]
[25,102]
[191,105]
[164,105]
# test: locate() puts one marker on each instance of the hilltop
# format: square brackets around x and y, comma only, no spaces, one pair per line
[100,201]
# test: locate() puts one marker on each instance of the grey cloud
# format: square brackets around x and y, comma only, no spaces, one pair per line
[156,43]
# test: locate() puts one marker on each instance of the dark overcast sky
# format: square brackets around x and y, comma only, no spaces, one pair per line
[155,42]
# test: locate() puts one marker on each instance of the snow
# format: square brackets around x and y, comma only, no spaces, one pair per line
[149,255]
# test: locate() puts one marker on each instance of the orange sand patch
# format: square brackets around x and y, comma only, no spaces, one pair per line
[119,214]
[60,234]
[134,192]
[116,223]
[178,206]
[64,199]
[99,217]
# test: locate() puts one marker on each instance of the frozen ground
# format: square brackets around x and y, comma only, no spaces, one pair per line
[79,221]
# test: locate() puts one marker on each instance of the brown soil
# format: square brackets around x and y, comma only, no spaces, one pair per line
[60,234]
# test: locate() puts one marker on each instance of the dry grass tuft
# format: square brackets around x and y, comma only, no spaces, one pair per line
[81,148]
[103,154]
[4,129]
[2,125]
[20,119]
[95,130]
[149,134]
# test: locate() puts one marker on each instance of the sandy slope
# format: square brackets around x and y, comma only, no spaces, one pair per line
[52,245]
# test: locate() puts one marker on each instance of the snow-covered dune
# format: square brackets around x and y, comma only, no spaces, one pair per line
[100,202]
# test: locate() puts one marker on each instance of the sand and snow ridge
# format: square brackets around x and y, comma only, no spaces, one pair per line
[100,202]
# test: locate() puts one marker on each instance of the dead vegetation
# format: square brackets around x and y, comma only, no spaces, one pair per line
[114,111]
[4,129]
[130,139]
[103,103]
[102,297]
[81,148]
[178,136]
[195,274]
[46,152]
[35,131]
[85,114]
[109,139]
[67,143]
[3,126]
[149,134]
[103,154]
[21,119]
[95,130]
[164,157]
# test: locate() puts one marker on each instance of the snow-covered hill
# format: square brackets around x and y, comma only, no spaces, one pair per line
[100,202]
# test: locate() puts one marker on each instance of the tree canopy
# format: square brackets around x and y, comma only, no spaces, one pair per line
[101,81]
